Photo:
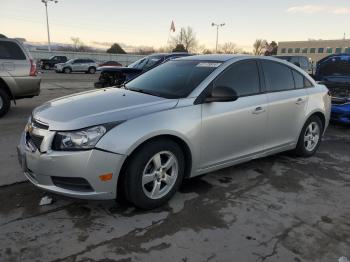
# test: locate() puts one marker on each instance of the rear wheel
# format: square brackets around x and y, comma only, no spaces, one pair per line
[92,70]
[67,70]
[5,102]
[310,137]
[154,174]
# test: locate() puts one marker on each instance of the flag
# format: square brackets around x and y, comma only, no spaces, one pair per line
[172,26]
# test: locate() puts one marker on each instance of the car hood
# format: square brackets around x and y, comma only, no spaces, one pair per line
[98,107]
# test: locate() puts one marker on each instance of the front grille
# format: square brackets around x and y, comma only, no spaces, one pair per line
[72,183]
[36,140]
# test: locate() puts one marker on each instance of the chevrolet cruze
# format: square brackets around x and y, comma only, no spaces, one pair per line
[182,119]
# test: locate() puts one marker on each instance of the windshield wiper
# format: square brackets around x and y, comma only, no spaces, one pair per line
[142,91]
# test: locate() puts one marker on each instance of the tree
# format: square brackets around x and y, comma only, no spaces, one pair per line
[259,46]
[271,49]
[186,37]
[230,48]
[77,43]
[116,49]
[179,48]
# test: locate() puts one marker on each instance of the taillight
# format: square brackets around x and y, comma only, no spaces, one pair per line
[33,71]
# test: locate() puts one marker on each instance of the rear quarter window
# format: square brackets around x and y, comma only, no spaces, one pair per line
[11,51]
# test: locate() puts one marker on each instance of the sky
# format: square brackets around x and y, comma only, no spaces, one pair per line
[147,22]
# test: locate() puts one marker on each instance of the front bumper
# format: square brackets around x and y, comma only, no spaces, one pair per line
[45,169]
[341,113]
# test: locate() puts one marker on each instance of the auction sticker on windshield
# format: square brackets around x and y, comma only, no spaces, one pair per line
[208,65]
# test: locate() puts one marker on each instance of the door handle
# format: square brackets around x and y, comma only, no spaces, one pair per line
[258,110]
[300,101]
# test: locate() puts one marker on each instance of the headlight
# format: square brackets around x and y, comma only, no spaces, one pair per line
[79,140]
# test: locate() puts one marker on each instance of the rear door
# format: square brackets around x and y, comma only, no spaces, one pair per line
[287,104]
[13,60]
[232,130]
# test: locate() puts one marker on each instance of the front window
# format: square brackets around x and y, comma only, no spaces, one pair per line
[174,79]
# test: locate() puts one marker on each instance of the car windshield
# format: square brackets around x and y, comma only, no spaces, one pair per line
[146,62]
[174,79]
[70,61]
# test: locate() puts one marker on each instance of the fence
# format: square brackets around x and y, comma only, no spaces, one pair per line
[124,59]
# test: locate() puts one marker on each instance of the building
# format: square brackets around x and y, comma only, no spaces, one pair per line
[314,49]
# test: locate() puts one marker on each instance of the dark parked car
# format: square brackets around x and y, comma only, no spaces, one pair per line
[52,61]
[301,61]
[114,76]
[111,63]
[334,72]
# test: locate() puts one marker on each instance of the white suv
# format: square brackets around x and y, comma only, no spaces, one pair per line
[77,65]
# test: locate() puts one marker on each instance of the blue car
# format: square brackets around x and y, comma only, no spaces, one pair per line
[334,72]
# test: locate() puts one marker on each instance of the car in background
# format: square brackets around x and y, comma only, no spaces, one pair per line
[115,76]
[110,63]
[18,74]
[85,65]
[300,61]
[334,72]
[184,118]
[52,61]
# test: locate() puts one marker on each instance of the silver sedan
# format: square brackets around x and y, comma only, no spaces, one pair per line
[182,119]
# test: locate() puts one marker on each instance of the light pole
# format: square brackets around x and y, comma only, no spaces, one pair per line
[47,21]
[217,33]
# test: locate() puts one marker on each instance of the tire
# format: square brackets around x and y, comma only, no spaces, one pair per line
[67,70]
[5,102]
[92,70]
[305,147]
[141,190]
[46,67]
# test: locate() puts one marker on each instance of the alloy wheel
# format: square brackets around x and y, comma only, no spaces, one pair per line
[160,174]
[311,136]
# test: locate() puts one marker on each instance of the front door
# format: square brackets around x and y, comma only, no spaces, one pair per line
[234,130]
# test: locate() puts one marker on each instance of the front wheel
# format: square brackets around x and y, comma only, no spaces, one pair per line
[92,70]
[154,174]
[310,137]
[67,70]
[5,102]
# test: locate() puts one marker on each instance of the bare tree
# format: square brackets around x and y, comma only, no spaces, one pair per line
[230,48]
[259,46]
[185,37]
[76,42]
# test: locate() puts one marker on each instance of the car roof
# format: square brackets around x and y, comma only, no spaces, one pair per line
[216,57]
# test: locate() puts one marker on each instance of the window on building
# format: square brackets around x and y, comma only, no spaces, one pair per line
[321,50]
[338,50]
[329,50]
[297,50]
[283,50]
[347,50]
[305,50]
[312,50]
[290,50]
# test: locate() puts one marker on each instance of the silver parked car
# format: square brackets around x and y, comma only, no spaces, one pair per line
[77,65]
[181,119]
[18,74]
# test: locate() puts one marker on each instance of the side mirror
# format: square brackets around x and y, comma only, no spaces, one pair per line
[221,94]
[297,64]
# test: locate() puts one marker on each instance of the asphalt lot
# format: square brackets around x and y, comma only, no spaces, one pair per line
[279,208]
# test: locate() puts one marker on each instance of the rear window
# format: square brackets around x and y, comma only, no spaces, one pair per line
[11,50]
